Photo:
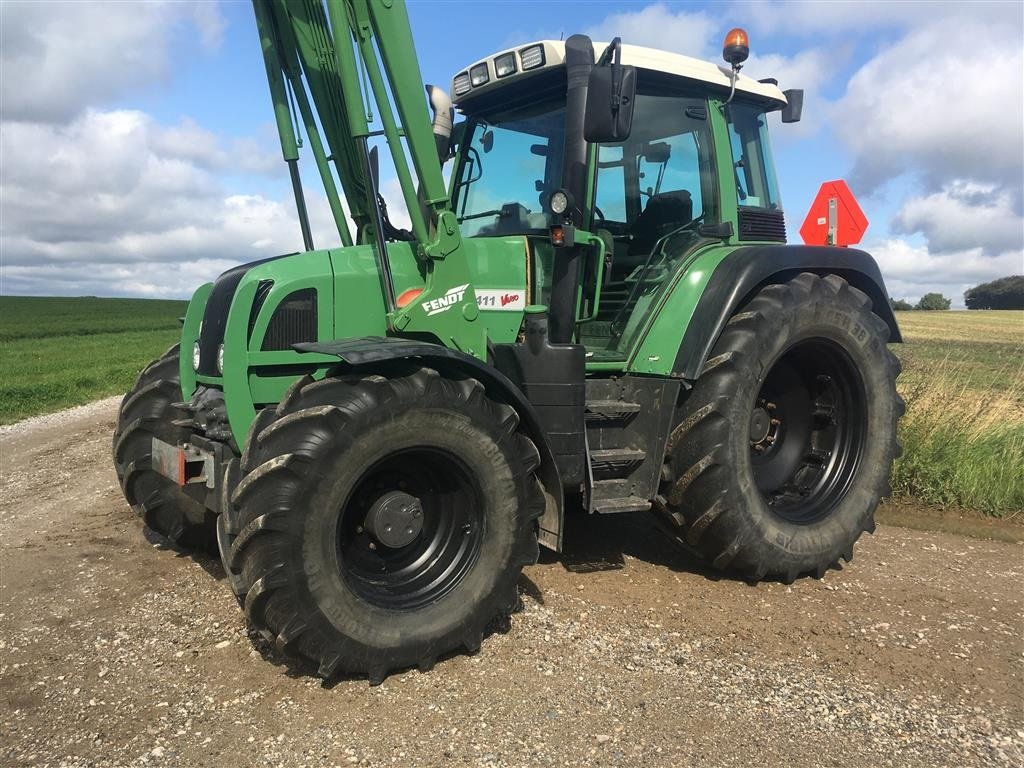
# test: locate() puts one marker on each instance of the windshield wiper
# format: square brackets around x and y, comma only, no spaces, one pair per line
[479,215]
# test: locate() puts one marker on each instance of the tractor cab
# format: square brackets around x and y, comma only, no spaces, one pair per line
[695,170]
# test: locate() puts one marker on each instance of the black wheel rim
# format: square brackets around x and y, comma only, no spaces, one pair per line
[807,430]
[442,547]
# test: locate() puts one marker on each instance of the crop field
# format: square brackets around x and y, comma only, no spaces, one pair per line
[963,380]
[60,352]
[963,434]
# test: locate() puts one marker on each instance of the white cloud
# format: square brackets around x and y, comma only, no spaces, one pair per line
[912,271]
[113,206]
[944,102]
[849,18]
[963,216]
[690,33]
[57,58]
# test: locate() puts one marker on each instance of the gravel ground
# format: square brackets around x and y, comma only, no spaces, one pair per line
[116,650]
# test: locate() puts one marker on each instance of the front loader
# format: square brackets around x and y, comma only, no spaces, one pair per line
[598,314]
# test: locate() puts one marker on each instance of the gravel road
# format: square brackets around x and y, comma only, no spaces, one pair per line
[116,650]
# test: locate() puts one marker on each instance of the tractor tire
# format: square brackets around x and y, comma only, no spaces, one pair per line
[785,445]
[148,411]
[382,522]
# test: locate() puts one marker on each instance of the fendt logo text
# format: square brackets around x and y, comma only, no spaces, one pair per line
[446,302]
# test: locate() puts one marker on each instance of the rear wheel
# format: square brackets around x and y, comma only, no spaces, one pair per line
[785,445]
[383,522]
[148,411]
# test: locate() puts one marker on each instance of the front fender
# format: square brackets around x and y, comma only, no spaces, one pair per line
[364,353]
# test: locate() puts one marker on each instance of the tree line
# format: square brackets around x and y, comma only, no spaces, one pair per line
[1004,293]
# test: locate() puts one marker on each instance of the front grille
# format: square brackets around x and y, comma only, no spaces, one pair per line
[294,321]
[762,224]
[262,291]
[215,317]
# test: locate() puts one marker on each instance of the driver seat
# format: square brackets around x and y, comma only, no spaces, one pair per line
[663,213]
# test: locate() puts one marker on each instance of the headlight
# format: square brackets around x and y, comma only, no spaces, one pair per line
[532,57]
[478,75]
[220,359]
[461,83]
[195,356]
[559,202]
[505,65]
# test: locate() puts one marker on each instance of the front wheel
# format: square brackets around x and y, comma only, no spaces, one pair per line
[785,445]
[383,521]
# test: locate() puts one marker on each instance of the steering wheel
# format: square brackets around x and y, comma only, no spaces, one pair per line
[600,214]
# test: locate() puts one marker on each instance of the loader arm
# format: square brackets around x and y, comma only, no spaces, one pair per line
[344,61]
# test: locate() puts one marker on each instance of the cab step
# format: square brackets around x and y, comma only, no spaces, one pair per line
[616,462]
[610,410]
[624,504]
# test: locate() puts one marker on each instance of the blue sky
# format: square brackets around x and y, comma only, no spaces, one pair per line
[139,156]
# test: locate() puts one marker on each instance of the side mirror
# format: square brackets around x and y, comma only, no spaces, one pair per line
[794,105]
[611,92]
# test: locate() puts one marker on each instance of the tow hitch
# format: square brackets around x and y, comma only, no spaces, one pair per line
[184,464]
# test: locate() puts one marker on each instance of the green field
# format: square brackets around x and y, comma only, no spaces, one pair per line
[59,352]
[963,435]
[963,380]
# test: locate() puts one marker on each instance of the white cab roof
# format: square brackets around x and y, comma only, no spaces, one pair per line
[635,55]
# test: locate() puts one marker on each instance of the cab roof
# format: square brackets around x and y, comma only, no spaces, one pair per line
[638,56]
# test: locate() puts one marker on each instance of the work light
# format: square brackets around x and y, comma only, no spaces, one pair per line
[505,64]
[196,356]
[478,75]
[220,359]
[532,57]
[461,83]
[559,202]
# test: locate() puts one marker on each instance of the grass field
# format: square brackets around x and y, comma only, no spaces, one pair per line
[59,352]
[963,435]
[963,380]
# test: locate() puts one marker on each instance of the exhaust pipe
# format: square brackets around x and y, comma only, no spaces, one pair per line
[444,119]
[579,61]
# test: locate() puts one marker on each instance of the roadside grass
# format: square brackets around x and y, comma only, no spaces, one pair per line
[963,433]
[60,352]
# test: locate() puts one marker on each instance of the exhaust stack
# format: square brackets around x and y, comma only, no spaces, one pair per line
[444,119]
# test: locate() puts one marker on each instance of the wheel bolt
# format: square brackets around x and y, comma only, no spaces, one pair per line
[759,448]
[359,529]
[775,422]
[771,406]
[372,545]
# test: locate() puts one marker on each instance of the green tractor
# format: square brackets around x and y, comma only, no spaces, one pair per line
[597,314]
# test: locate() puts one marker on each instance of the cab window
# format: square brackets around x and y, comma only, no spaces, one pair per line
[756,184]
[653,191]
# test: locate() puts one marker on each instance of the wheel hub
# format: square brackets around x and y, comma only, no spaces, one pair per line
[395,519]
[764,426]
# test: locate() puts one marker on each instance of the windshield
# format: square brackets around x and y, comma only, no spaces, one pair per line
[756,185]
[509,167]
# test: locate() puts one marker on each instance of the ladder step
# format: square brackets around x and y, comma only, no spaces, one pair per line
[610,410]
[617,462]
[625,504]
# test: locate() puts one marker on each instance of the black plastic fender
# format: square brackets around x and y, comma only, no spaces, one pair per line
[367,351]
[748,268]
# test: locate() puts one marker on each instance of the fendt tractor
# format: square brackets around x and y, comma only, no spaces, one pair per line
[597,314]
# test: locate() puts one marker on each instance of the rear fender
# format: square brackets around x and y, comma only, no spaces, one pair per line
[745,270]
[370,351]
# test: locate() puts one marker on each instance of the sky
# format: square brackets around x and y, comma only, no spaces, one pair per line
[138,154]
